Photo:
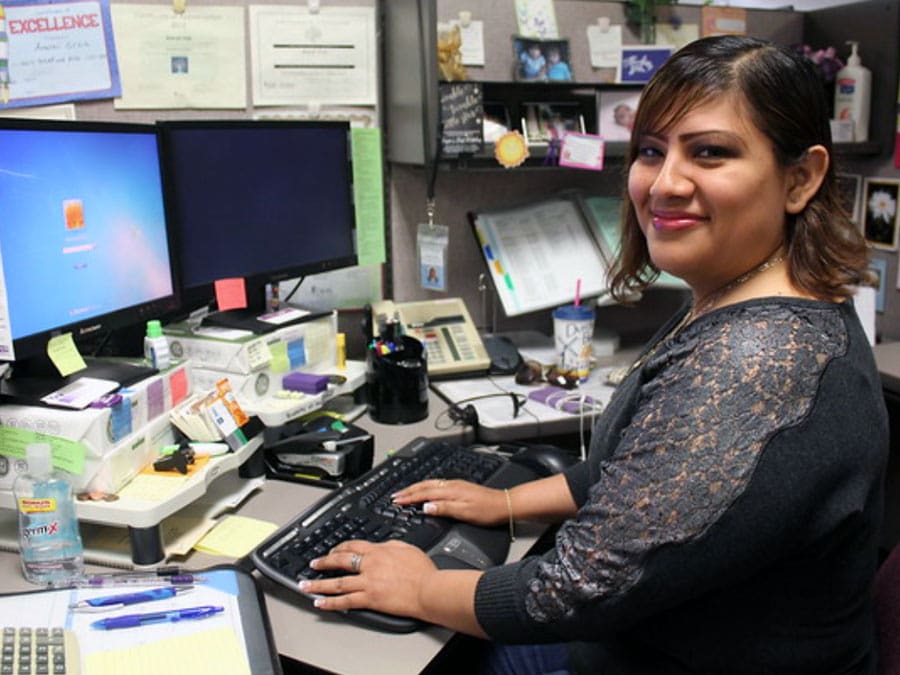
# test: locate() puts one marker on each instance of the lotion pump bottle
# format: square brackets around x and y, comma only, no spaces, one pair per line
[852,93]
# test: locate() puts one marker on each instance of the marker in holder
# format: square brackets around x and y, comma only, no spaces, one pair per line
[397,380]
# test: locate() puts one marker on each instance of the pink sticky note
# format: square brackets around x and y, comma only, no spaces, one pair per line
[231,294]
[178,385]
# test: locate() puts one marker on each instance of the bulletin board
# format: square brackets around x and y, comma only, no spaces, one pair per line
[145,61]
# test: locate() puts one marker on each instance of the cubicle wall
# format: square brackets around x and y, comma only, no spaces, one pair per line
[411,123]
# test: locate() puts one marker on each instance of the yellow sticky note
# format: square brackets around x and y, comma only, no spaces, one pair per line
[235,536]
[64,354]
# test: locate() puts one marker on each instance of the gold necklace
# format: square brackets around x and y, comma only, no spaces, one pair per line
[699,309]
[712,298]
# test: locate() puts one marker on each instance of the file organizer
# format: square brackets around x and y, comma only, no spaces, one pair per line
[142,518]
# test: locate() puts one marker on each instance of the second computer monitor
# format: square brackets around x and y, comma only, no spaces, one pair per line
[261,200]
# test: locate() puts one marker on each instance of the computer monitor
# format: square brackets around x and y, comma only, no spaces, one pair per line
[84,246]
[265,201]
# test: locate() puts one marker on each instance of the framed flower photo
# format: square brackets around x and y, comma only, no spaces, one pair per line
[879,212]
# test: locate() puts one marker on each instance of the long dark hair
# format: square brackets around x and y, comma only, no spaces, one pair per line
[785,98]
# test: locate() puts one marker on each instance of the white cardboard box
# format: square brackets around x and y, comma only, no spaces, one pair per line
[290,348]
[99,429]
[110,471]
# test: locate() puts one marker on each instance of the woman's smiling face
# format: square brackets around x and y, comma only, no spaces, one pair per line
[709,195]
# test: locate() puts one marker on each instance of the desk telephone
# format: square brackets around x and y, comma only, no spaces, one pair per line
[452,344]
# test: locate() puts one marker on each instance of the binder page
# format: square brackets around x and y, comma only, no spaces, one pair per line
[537,254]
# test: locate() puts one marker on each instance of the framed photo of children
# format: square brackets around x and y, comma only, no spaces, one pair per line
[541,60]
[616,114]
[879,211]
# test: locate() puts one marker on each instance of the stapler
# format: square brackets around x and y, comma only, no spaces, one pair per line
[316,453]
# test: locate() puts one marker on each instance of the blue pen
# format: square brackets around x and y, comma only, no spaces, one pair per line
[114,601]
[132,620]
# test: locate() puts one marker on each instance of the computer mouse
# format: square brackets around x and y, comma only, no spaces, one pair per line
[504,355]
[544,460]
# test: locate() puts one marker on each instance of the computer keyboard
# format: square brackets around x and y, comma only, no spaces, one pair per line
[41,650]
[363,510]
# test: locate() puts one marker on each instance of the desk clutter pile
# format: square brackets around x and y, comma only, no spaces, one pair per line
[208,408]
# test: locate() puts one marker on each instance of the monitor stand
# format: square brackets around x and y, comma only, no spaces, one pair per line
[35,378]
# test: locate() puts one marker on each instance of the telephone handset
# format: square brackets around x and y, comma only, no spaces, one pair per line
[452,344]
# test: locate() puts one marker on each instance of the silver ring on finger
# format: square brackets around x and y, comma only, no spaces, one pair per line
[355,562]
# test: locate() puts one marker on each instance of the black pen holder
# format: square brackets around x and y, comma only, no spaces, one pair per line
[397,381]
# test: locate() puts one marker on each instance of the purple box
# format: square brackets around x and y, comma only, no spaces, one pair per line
[308,384]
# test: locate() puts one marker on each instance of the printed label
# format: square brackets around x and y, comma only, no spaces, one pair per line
[31,505]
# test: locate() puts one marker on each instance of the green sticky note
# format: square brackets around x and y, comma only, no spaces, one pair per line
[67,455]
[281,362]
[368,194]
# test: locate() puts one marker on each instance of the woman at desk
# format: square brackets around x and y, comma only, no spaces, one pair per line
[726,519]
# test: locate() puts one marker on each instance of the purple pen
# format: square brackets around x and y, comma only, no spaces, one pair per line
[111,580]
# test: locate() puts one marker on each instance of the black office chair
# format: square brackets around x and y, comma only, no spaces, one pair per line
[887,613]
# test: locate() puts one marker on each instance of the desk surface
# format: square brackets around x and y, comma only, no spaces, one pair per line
[327,641]
[302,633]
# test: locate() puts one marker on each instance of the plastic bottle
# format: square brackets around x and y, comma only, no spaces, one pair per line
[852,94]
[49,539]
[156,346]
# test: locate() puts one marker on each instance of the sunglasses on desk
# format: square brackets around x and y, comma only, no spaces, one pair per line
[532,372]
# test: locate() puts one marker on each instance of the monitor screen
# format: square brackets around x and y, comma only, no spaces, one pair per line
[84,246]
[260,200]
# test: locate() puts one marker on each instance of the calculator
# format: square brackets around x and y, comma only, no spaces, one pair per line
[39,651]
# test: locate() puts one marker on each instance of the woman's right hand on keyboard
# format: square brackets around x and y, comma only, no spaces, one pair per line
[457,499]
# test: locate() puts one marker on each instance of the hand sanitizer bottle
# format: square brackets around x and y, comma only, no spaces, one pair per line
[49,540]
[156,346]
[852,90]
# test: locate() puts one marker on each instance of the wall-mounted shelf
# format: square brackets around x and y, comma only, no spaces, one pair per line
[863,149]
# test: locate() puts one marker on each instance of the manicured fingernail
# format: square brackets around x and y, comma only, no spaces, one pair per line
[428,507]
[304,585]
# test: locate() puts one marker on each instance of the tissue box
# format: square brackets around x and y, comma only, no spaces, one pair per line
[306,344]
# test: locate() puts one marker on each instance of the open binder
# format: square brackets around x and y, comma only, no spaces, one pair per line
[538,253]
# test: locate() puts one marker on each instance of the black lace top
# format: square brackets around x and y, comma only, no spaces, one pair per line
[729,509]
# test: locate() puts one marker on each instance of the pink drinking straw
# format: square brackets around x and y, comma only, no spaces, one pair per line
[577,292]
